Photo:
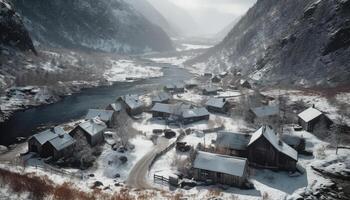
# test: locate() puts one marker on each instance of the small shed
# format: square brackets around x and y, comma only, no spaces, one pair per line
[222,169]
[210,91]
[161,97]
[60,146]
[132,104]
[217,105]
[194,115]
[92,130]
[107,116]
[266,150]
[232,143]
[36,142]
[311,117]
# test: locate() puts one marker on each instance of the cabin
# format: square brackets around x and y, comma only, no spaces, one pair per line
[219,105]
[175,88]
[266,150]
[210,91]
[245,84]
[132,104]
[36,142]
[161,97]
[263,113]
[59,147]
[93,131]
[107,116]
[220,169]
[311,117]
[230,143]
[165,111]
[194,115]
[115,107]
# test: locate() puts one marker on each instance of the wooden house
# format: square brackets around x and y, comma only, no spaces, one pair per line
[312,117]
[230,143]
[132,104]
[219,105]
[165,111]
[37,141]
[59,147]
[93,131]
[175,87]
[263,113]
[210,91]
[216,79]
[107,116]
[194,115]
[220,169]
[266,150]
[161,97]
[191,84]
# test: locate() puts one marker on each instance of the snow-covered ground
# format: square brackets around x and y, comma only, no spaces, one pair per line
[186,47]
[128,70]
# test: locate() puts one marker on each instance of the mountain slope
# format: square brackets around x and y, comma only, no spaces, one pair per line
[152,14]
[301,42]
[12,31]
[107,25]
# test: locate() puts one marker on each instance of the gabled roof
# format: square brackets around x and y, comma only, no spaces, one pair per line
[216,102]
[104,115]
[220,163]
[62,141]
[309,114]
[160,97]
[93,126]
[196,112]
[44,136]
[273,139]
[265,111]
[231,140]
[132,101]
[164,108]
[115,107]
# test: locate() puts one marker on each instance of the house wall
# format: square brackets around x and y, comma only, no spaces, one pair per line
[68,151]
[219,110]
[217,177]
[34,146]
[160,114]
[195,119]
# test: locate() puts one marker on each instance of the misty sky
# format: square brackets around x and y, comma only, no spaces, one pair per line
[214,15]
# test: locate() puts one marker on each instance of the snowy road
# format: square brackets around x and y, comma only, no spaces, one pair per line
[137,176]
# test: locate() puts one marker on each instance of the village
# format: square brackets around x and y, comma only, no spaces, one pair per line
[212,131]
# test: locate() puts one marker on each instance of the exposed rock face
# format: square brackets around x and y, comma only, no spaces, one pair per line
[106,25]
[12,31]
[300,42]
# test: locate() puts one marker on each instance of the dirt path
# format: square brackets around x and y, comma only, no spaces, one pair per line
[137,175]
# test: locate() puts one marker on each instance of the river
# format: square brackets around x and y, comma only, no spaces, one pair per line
[24,123]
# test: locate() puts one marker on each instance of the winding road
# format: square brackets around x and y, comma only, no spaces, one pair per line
[137,176]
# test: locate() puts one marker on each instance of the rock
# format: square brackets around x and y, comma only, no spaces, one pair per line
[91,175]
[117,175]
[97,184]
[3,149]
[123,159]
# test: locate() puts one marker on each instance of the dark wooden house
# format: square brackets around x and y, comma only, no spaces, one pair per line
[93,131]
[37,141]
[312,117]
[132,104]
[230,143]
[263,113]
[175,87]
[221,169]
[266,150]
[107,116]
[219,105]
[59,147]
[161,97]
[210,91]
[194,115]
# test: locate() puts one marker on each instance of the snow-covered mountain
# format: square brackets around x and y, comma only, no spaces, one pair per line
[301,42]
[12,31]
[153,15]
[106,25]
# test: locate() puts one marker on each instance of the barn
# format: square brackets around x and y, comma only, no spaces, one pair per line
[222,169]
[58,147]
[132,104]
[230,143]
[265,150]
[194,115]
[92,130]
[107,116]
[311,117]
[219,105]
[161,97]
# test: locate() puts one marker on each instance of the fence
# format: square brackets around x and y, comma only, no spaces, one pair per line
[162,179]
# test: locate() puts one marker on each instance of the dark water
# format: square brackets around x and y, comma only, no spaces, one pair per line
[24,123]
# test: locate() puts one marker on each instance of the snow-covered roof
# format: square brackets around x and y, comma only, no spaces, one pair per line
[211,89]
[269,134]
[220,163]
[309,114]
[62,141]
[265,111]
[104,115]
[164,108]
[115,106]
[160,97]
[196,112]
[44,136]
[291,139]
[175,85]
[132,101]
[93,126]
[216,102]
[231,140]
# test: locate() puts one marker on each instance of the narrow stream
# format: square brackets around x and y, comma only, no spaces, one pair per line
[24,123]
